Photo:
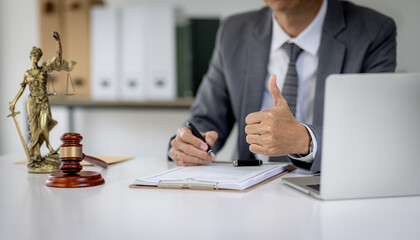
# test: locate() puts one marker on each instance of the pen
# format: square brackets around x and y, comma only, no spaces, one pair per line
[247,162]
[196,133]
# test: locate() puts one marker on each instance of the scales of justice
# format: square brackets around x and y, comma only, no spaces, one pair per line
[41,122]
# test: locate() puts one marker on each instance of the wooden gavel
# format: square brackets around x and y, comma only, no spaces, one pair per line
[71,154]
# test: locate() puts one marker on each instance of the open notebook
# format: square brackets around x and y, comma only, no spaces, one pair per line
[213,176]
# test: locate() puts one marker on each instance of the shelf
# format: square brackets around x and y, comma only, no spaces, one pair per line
[72,102]
[87,103]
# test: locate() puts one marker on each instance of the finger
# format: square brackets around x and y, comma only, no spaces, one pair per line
[259,129]
[173,155]
[190,164]
[186,136]
[188,149]
[266,151]
[182,158]
[255,148]
[254,118]
[275,91]
[187,159]
[211,137]
[180,163]
[209,159]
[255,139]
[255,129]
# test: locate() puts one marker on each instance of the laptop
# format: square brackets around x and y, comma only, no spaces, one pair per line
[371,138]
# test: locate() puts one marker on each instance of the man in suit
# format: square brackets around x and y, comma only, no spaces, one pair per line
[249,71]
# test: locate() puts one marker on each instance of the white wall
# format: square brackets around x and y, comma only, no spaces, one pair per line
[19,32]
[197,8]
[128,132]
[406,15]
[143,132]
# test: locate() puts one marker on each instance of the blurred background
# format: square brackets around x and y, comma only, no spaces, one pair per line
[143,130]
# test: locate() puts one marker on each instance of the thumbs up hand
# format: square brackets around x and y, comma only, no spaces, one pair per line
[275,131]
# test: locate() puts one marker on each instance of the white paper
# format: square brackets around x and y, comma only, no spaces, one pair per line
[225,176]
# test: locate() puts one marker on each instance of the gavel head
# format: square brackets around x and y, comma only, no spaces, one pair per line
[71,153]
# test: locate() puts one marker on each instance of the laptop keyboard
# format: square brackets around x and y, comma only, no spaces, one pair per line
[314,186]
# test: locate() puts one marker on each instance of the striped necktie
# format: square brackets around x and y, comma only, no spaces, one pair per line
[291,82]
[290,88]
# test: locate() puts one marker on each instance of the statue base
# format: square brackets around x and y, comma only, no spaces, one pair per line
[75,180]
[47,164]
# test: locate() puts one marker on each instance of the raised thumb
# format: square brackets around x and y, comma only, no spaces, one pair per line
[275,91]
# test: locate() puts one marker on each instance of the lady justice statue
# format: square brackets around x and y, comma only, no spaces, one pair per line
[39,110]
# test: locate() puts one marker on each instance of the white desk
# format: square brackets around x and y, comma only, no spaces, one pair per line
[30,210]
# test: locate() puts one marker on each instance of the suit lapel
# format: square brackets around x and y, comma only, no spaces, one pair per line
[331,55]
[256,73]
[257,54]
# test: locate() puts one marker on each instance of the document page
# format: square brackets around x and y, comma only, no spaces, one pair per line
[222,175]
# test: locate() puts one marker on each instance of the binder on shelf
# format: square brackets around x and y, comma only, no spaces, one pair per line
[183,60]
[133,53]
[76,43]
[50,20]
[105,24]
[203,37]
[216,176]
[70,18]
[160,52]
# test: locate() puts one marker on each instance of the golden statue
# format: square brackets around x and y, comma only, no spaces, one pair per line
[39,110]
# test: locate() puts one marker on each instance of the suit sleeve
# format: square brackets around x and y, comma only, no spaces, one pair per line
[380,56]
[212,109]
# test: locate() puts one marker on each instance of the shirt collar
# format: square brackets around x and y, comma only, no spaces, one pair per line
[308,40]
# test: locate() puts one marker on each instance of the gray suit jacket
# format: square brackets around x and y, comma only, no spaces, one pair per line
[354,40]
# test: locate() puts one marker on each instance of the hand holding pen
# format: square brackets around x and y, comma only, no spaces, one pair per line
[190,147]
[196,133]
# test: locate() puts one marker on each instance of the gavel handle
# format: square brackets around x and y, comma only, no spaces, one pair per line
[95,161]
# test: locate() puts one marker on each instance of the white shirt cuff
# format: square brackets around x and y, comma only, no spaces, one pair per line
[311,156]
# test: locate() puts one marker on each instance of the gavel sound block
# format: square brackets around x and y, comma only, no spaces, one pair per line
[71,175]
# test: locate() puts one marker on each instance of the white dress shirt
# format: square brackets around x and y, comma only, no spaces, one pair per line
[306,66]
